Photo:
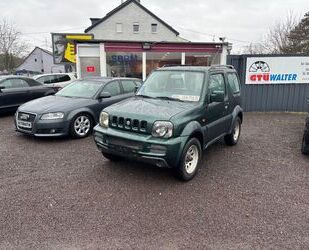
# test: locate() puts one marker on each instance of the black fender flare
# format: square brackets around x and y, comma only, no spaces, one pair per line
[191,128]
[237,112]
[194,128]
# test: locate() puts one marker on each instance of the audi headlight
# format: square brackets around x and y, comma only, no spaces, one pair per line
[162,129]
[52,116]
[104,119]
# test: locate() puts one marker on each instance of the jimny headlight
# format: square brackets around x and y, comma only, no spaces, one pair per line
[163,129]
[52,116]
[104,119]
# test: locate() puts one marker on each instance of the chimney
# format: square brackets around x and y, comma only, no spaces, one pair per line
[94,20]
[122,1]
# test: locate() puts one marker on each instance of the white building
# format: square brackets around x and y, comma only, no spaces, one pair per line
[131,21]
[39,61]
[131,41]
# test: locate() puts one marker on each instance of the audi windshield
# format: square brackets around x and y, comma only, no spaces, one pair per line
[80,89]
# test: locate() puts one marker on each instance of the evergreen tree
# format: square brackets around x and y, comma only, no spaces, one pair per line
[299,37]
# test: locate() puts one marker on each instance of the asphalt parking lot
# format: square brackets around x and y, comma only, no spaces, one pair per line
[64,194]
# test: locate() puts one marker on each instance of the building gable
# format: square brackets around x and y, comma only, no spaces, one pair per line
[127,12]
[39,61]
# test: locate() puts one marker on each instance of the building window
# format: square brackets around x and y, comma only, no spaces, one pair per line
[202,58]
[135,27]
[159,59]
[119,27]
[154,28]
[35,59]
[124,64]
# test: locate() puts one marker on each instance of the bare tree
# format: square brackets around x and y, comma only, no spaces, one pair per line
[277,40]
[254,48]
[11,45]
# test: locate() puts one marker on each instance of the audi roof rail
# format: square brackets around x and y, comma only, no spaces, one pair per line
[221,66]
[178,65]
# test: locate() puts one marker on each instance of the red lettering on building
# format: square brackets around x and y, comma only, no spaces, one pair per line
[253,78]
[260,77]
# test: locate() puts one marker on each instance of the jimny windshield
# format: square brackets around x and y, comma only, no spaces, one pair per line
[181,85]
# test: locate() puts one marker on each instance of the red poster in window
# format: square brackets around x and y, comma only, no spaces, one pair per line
[90,69]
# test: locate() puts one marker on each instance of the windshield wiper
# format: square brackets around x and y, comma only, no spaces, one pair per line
[169,98]
[144,96]
[65,96]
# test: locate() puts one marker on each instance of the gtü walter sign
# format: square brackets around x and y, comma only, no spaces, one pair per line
[277,70]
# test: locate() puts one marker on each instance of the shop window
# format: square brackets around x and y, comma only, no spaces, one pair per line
[119,27]
[135,27]
[202,59]
[154,28]
[157,60]
[121,64]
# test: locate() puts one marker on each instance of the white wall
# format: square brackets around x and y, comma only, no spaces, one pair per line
[127,16]
[49,66]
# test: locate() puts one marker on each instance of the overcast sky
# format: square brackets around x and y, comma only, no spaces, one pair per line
[241,21]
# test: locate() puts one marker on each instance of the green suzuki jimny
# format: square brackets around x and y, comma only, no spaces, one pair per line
[176,114]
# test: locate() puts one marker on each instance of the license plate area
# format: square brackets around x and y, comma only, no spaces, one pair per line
[23,124]
[124,144]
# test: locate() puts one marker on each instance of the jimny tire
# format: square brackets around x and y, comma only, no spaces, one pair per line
[232,139]
[304,147]
[190,160]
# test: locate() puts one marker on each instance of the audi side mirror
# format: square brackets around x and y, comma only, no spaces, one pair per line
[136,89]
[1,87]
[105,95]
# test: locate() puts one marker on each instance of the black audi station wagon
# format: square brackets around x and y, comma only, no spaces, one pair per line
[75,109]
[177,113]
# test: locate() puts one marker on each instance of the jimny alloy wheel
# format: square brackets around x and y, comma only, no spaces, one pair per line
[82,126]
[236,131]
[232,138]
[191,159]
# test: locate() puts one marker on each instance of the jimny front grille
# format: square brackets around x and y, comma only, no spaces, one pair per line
[129,124]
